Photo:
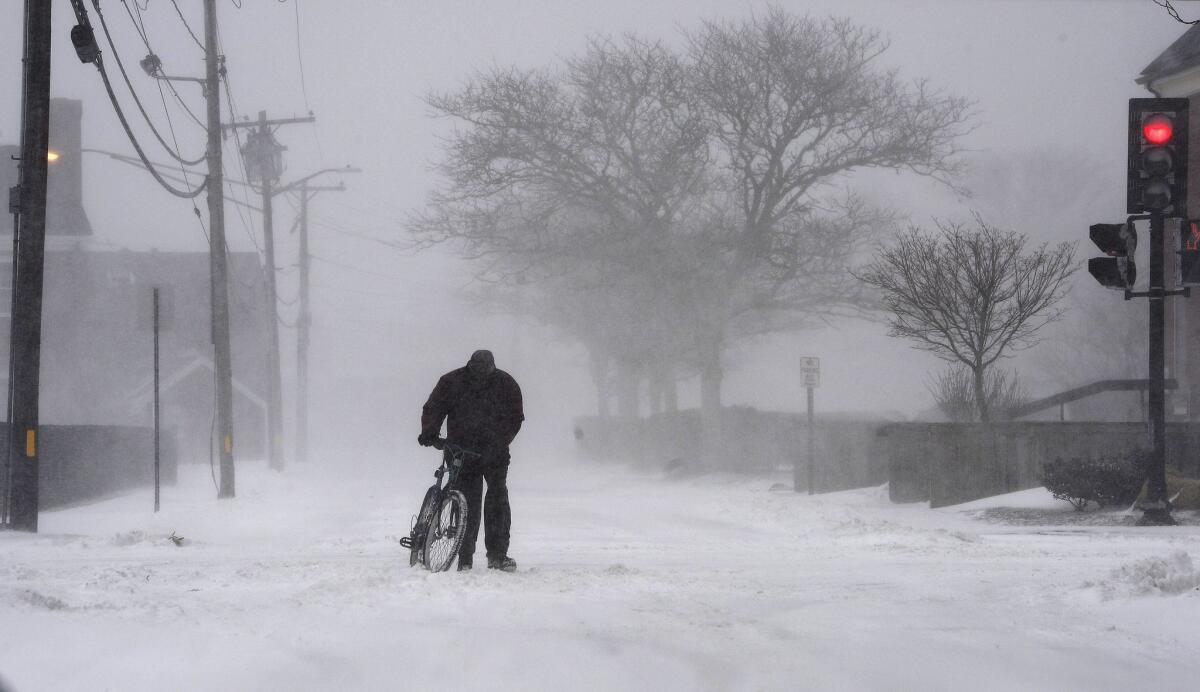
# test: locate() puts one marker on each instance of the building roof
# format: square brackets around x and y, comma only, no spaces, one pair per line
[1179,56]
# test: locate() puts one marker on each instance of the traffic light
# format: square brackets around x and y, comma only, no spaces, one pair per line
[1158,161]
[1118,241]
[1189,253]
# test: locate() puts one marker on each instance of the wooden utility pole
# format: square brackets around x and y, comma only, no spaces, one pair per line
[304,323]
[25,338]
[218,267]
[264,164]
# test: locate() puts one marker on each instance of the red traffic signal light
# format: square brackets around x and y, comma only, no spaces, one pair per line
[1158,157]
[1157,129]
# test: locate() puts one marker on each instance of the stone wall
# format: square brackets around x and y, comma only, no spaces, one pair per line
[81,463]
[949,463]
[743,440]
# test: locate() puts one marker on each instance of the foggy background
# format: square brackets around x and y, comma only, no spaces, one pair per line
[1046,77]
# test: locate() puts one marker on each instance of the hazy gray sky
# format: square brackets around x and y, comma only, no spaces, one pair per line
[1042,72]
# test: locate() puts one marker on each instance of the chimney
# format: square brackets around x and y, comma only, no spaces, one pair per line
[64,189]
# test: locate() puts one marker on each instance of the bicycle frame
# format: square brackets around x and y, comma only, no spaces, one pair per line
[453,457]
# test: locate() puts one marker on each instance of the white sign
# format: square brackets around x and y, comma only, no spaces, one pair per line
[810,371]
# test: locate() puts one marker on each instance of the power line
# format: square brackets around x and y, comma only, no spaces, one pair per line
[304,81]
[247,226]
[125,75]
[186,25]
[182,169]
[112,97]
[141,30]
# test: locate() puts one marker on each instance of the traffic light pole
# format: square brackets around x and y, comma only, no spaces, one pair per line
[1156,510]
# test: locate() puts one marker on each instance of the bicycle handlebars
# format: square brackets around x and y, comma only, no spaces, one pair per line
[441,444]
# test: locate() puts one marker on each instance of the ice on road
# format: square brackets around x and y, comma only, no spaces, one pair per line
[628,581]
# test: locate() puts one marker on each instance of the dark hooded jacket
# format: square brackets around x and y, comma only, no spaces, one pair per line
[481,412]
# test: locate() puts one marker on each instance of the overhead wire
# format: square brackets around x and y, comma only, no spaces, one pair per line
[187,26]
[137,145]
[304,81]
[125,75]
[141,29]
[82,17]
[247,226]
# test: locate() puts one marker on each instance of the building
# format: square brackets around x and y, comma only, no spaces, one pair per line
[97,348]
[1175,73]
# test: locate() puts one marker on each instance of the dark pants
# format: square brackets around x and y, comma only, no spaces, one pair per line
[497,517]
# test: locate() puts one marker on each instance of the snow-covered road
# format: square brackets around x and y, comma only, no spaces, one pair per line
[628,582]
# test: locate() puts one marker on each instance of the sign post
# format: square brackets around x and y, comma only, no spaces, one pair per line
[810,372]
[156,408]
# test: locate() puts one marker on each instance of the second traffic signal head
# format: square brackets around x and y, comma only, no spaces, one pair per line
[1119,242]
[1158,153]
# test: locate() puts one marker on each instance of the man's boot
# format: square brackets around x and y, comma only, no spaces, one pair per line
[504,564]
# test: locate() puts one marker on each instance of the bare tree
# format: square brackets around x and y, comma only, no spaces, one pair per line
[954,391]
[793,104]
[667,204]
[970,294]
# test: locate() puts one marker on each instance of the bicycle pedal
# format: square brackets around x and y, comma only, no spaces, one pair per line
[406,541]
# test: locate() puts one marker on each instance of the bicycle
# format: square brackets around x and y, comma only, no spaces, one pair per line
[438,528]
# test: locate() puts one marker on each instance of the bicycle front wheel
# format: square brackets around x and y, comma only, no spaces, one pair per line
[446,531]
[421,526]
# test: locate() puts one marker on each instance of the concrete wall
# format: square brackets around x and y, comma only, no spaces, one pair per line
[81,463]
[744,439]
[949,463]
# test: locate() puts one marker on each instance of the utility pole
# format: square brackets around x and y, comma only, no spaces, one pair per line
[25,339]
[264,163]
[222,358]
[304,323]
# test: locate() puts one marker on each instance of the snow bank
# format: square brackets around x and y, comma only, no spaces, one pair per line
[1153,576]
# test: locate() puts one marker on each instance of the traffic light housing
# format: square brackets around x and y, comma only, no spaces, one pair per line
[1118,241]
[1158,157]
[1189,253]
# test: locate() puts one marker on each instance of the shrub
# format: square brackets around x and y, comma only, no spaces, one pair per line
[1106,480]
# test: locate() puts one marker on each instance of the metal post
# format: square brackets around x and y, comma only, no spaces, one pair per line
[157,426]
[811,433]
[218,268]
[25,350]
[274,387]
[302,336]
[1156,511]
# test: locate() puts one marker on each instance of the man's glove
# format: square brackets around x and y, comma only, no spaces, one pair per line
[426,439]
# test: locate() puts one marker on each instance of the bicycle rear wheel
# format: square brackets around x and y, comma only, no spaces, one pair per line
[421,527]
[446,531]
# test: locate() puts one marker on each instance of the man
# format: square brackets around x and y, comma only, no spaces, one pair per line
[482,409]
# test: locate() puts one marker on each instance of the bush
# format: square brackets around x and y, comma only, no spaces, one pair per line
[1107,480]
